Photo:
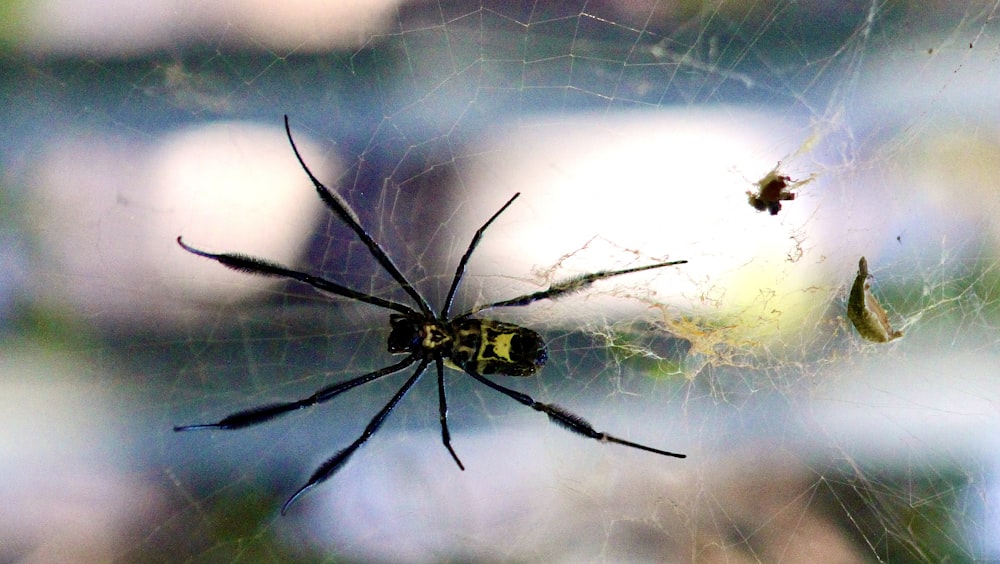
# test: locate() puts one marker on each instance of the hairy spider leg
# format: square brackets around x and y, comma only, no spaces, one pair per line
[443,411]
[264,267]
[334,463]
[339,207]
[575,284]
[263,413]
[460,271]
[566,419]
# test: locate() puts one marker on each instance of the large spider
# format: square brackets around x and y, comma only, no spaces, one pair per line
[476,346]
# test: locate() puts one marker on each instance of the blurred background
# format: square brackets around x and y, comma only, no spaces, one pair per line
[635,132]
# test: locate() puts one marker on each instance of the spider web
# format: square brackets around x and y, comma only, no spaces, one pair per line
[633,131]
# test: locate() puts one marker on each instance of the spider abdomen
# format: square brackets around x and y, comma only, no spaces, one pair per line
[494,347]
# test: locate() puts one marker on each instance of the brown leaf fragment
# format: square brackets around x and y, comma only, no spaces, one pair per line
[865,312]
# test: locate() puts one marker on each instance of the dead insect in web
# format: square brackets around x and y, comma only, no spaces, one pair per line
[865,312]
[773,189]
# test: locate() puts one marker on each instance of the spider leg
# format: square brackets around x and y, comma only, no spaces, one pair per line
[443,407]
[339,207]
[330,467]
[460,271]
[574,284]
[262,267]
[262,413]
[567,420]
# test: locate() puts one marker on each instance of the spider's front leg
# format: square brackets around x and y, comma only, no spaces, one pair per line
[264,413]
[337,461]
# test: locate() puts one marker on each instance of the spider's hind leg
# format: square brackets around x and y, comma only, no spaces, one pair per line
[568,420]
[572,285]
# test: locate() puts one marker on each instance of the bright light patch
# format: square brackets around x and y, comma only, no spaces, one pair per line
[107,214]
[233,187]
[602,193]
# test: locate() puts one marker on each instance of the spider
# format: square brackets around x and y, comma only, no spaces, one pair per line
[476,346]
